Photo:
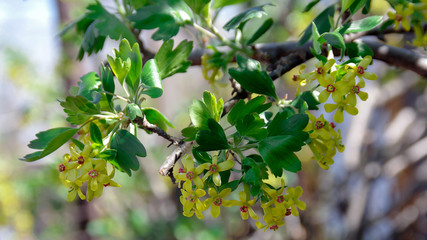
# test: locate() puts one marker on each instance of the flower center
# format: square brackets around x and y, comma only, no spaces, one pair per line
[213,168]
[244,209]
[218,202]
[288,212]
[320,70]
[191,198]
[356,89]
[181,170]
[330,88]
[93,173]
[274,227]
[360,70]
[61,168]
[318,125]
[190,175]
[280,199]
[333,125]
[398,17]
[81,160]
[295,78]
[106,185]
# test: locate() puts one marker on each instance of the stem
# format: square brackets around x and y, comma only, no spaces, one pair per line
[205,31]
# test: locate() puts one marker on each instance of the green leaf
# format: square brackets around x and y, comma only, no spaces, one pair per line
[107,24]
[95,133]
[110,155]
[255,170]
[52,145]
[252,78]
[345,4]
[155,117]
[242,18]
[356,6]
[334,39]
[277,152]
[43,138]
[96,25]
[127,63]
[358,49]
[79,109]
[151,80]
[321,21]
[310,5]
[201,157]
[240,110]
[363,25]
[128,147]
[317,41]
[134,111]
[232,185]
[202,111]
[89,84]
[307,98]
[189,133]
[107,80]
[171,61]
[212,139]
[79,144]
[222,3]
[166,15]
[252,126]
[293,125]
[197,5]
[367,7]
[260,31]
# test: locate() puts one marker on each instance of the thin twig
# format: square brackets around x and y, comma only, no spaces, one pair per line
[143,123]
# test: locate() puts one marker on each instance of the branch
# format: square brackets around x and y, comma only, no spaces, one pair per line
[167,166]
[144,124]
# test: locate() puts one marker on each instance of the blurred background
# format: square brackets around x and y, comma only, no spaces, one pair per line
[375,190]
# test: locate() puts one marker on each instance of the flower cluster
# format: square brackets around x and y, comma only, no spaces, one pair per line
[199,193]
[325,141]
[339,83]
[82,165]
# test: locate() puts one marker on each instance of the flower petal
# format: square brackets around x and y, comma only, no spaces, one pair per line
[225,165]
[216,179]
[215,211]
[330,107]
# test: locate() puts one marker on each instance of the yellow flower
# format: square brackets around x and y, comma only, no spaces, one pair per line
[420,37]
[360,70]
[318,126]
[321,70]
[189,173]
[67,169]
[276,197]
[340,107]
[73,190]
[337,89]
[215,168]
[191,202]
[292,200]
[245,206]
[273,219]
[216,200]
[321,153]
[402,15]
[355,90]
[96,177]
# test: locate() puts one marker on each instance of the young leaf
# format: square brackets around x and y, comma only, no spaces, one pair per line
[293,125]
[255,170]
[166,15]
[95,133]
[201,157]
[358,49]
[151,80]
[242,18]
[89,84]
[345,4]
[241,109]
[79,109]
[277,152]
[202,111]
[197,5]
[308,98]
[171,61]
[261,30]
[52,145]
[127,147]
[157,118]
[212,139]
[189,133]
[134,111]
[356,6]
[79,144]
[335,40]
[107,80]
[252,78]
[363,25]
